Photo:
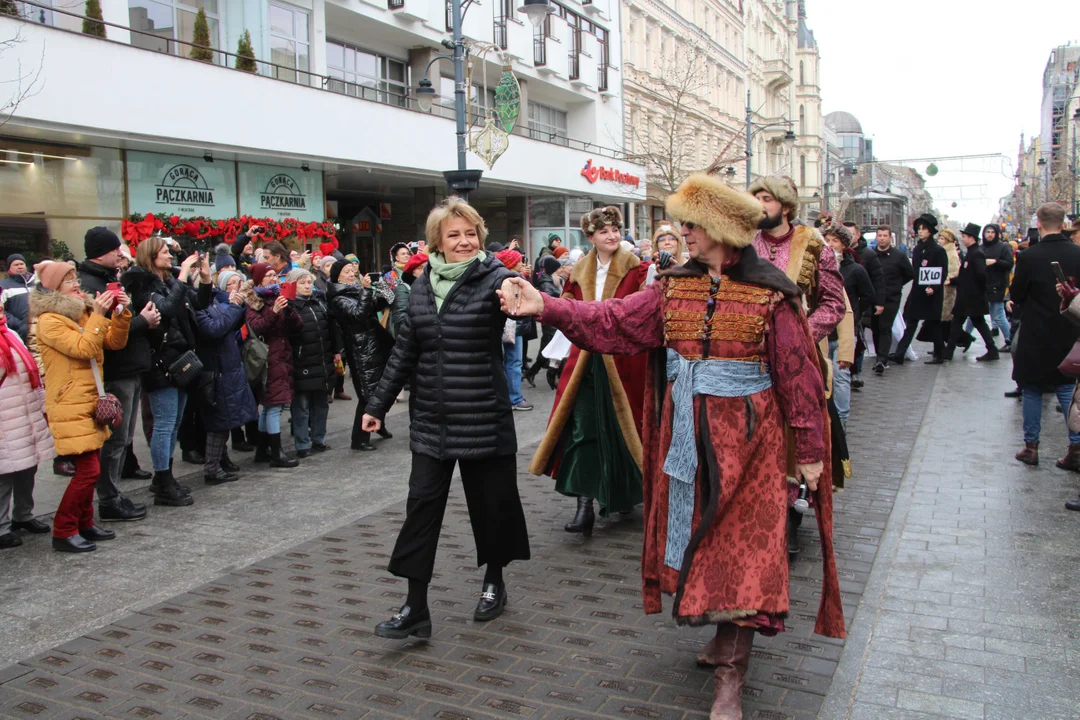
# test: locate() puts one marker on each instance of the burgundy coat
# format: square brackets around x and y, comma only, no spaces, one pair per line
[274,329]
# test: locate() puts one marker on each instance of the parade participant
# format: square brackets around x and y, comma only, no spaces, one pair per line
[970,302]
[999,265]
[924,303]
[460,415]
[737,365]
[592,447]
[947,239]
[800,252]
[896,272]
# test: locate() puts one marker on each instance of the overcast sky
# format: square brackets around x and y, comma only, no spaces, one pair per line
[933,78]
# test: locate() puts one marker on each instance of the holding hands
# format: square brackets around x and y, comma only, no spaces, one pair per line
[519,298]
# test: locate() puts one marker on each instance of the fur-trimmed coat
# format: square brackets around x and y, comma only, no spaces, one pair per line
[626,374]
[69,335]
[950,289]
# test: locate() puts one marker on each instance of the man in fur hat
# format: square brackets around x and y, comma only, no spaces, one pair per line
[734,363]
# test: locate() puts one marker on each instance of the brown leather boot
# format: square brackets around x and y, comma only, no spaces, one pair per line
[707,656]
[733,645]
[1071,461]
[1030,454]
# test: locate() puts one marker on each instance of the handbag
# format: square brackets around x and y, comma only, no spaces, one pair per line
[1070,366]
[255,355]
[184,370]
[108,412]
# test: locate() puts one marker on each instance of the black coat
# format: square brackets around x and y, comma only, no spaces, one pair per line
[221,353]
[860,290]
[134,359]
[971,285]
[997,275]
[461,407]
[175,334]
[1045,336]
[872,264]
[367,344]
[896,272]
[313,347]
[274,329]
[922,305]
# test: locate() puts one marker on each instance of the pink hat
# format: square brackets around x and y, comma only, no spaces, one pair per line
[51,274]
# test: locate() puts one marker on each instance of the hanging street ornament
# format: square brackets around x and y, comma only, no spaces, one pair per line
[508,99]
[491,142]
[931,169]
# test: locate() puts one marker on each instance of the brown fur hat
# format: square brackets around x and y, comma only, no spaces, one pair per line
[727,215]
[780,187]
[598,218]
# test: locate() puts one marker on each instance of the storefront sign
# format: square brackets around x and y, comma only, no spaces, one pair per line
[280,192]
[180,185]
[592,173]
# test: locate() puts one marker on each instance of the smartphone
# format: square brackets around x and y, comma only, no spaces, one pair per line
[374,276]
[115,288]
[288,290]
[1056,267]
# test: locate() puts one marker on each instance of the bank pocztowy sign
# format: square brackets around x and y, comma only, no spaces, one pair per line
[592,173]
[279,192]
[179,185]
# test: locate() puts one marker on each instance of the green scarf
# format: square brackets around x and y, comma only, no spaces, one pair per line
[445,275]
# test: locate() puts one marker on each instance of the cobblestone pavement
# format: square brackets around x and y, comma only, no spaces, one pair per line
[945,628]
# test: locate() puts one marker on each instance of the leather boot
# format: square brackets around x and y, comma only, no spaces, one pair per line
[1030,454]
[278,457]
[553,378]
[1071,461]
[167,492]
[794,520]
[733,646]
[584,519]
[262,448]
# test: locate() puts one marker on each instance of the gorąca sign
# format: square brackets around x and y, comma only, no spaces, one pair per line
[280,192]
[179,185]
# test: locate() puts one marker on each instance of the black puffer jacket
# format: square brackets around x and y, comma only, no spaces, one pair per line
[134,359]
[177,303]
[997,275]
[461,406]
[313,348]
[367,344]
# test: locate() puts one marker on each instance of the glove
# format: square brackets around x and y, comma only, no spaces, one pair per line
[664,260]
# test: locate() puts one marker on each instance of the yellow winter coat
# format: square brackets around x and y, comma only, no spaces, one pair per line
[68,336]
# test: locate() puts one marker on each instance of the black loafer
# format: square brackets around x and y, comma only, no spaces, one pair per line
[193,457]
[120,509]
[364,447]
[220,477]
[303,454]
[96,534]
[319,447]
[1073,504]
[492,603]
[9,540]
[33,525]
[228,465]
[73,544]
[405,623]
[137,474]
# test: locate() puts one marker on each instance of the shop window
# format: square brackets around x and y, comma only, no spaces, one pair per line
[366,75]
[168,20]
[547,123]
[289,43]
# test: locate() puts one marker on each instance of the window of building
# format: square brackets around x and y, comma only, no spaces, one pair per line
[802,76]
[802,119]
[547,123]
[289,43]
[171,20]
[802,171]
[367,75]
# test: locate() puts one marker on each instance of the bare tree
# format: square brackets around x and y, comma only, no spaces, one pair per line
[667,132]
[26,83]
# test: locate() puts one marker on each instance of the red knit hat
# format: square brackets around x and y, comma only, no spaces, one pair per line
[509,258]
[258,272]
[414,262]
[559,252]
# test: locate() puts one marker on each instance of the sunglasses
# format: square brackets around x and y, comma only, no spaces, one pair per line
[689,226]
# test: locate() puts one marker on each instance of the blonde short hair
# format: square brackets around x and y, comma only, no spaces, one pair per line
[452,206]
[948,236]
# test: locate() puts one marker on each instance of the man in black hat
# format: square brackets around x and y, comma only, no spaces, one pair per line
[970,298]
[927,296]
[122,371]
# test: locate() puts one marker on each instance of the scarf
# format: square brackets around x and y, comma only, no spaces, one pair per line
[10,344]
[445,275]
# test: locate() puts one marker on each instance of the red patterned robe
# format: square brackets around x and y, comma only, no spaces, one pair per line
[734,567]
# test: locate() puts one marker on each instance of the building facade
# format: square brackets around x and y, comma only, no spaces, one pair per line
[330,105]
[810,158]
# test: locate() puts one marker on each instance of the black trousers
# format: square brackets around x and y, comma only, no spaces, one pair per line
[978,322]
[881,327]
[359,435]
[495,513]
[933,329]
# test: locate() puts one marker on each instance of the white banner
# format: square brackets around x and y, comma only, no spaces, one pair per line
[930,275]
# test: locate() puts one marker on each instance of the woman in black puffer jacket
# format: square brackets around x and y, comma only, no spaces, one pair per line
[313,365]
[152,281]
[367,344]
[461,414]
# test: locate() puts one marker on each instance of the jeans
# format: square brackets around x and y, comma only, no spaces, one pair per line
[127,391]
[309,411]
[512,355]
[270,419]
[167,407]
[841,386]
[19,484]
[76,510]
[999,320]
[1032,408]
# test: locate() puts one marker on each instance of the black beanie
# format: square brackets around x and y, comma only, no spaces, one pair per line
[100,241]
[336,268]
[550,264]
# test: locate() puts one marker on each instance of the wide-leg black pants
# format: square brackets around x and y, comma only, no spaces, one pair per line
[495,512]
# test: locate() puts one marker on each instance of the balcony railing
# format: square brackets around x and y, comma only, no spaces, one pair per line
[601,78]
[384,94]
[503,10]
[539,50]
[573,66]
[395,4]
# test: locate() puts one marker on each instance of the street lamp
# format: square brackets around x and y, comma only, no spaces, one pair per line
[537,11]
[751,130]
